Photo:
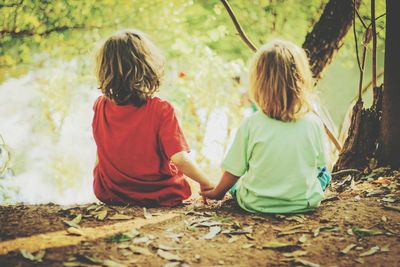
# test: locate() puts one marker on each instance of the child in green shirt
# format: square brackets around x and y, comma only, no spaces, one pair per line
[277,161]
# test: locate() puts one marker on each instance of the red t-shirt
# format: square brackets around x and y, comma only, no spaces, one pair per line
[134,147]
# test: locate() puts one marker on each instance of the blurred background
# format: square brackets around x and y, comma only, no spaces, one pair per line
[48,85]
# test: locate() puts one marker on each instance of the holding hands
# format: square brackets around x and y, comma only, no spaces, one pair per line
[227,181]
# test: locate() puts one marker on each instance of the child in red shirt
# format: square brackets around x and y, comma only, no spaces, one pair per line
[142,152]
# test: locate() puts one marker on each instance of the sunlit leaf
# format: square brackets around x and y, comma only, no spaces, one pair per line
[370,252]
[75,222]
[119,216]
[140,250]
[278,245]
[215,230]
[120,237]
[347,249]
[168,255]
[361,232]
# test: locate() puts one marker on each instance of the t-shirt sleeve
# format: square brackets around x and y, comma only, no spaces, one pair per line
[236,160]
[170,133]
[97,102]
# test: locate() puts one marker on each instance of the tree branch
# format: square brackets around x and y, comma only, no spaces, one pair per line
[238,26]
[254,49]
[28,32]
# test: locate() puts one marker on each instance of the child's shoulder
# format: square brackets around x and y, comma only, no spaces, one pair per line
[98,101]
[161,106]
[159,102]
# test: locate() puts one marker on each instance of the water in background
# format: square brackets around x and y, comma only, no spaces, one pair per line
[47,129]
[45,120]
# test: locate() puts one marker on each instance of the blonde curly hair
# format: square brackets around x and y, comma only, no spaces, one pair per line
[129,68]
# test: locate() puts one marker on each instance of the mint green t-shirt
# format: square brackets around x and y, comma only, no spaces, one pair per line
[277,163]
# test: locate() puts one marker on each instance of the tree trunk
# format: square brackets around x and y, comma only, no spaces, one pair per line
[327,35]
[389,147]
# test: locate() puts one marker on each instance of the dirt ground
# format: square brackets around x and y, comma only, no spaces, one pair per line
[357,225]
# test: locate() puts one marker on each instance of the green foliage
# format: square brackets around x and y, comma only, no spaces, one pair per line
[205,57]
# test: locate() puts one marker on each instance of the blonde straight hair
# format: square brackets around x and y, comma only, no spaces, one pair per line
[281,80]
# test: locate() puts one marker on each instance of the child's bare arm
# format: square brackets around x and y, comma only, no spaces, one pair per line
[226,182]
[186,165]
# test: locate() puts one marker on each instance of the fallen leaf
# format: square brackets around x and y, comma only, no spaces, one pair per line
[246,246]
[294,254]
[126,253]
[168,255]
[347,249]
[75,222]
[88,259]
[375,193]
[384,219]
[212,233]
[27,255]
[118,238]
[100,215]
[72,263]
[297,226]
[166,248]
[236,232]
[369,252]
[172,264]
[389,199]
[333,228]
[175,236]
[140,240]
[382,181]
[112,263]
[196,213]
[385,248]
[331,198]
[233,239]
[296,218]
[292,232]
[92,207]
[74,231]
[361,232]
[306,263]
[249,237]
[280,216]
[207,224]
[316,232]
[133,233]
[38,257]
[350,231]
[147,215]
[278,245]
[391,207]
[123,245]
[65,208]
[71,258]
[359,260]
[197,258]
[140,250]
[302,239]
[119,216]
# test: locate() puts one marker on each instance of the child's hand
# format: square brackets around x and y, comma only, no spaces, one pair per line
[211,194]
[206,187]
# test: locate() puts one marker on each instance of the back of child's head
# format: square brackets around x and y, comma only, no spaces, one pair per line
[129,68]
[280,79]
